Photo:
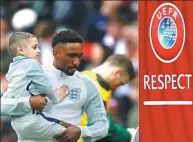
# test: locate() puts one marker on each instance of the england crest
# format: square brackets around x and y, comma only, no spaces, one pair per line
[167,32]
[74,94]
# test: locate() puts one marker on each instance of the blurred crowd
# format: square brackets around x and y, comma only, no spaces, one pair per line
[108,27]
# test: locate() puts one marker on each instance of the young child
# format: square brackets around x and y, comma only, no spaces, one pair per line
[26,74]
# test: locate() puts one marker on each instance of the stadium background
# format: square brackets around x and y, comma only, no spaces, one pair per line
[108,27]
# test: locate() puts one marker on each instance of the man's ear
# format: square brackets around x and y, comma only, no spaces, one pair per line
[117,72]
[54,52]
[20,50]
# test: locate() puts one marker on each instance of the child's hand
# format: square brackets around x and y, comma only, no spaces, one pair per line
[62,92]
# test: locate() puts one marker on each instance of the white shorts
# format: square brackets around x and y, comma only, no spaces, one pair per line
[35,128]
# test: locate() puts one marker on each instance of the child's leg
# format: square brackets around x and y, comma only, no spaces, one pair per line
[35,127]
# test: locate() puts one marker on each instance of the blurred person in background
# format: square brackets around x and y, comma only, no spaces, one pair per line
[115,71]
[133,114]
[44,31]
[126,95]
[112,40]
[115,40]
[97,20]
[6,58]
[130,35]
[69,14]
[97,28]
[120,37]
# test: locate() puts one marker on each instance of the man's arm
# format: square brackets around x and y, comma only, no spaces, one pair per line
[96,113]
[21,106]
[13,106]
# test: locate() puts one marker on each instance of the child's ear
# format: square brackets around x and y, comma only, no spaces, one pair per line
[20,50]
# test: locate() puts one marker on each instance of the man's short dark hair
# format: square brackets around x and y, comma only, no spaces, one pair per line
[124,62]
[66,36]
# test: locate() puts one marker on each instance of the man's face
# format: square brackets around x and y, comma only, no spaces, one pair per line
[67,57]
[120,79]
[31,49]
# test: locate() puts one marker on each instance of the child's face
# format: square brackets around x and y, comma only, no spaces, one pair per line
[31,49]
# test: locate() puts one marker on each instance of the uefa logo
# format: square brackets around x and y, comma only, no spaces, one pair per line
[167,32]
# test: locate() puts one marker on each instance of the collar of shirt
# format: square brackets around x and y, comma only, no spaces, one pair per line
[19,58]
[57,71]
[103,83]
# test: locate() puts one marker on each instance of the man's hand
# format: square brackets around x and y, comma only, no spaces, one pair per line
[71,134]
[38,102]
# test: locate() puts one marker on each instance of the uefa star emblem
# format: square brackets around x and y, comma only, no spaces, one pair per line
[167,32]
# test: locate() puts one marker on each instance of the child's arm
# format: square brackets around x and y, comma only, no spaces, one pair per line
[35,73]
